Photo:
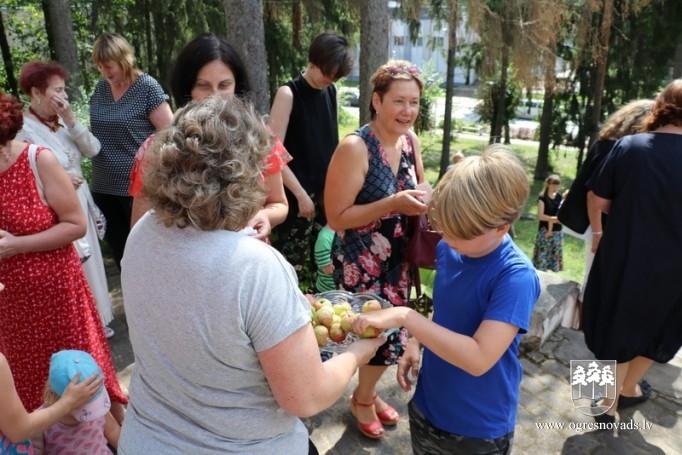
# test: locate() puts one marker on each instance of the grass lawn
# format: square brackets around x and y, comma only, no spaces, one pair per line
[562,161]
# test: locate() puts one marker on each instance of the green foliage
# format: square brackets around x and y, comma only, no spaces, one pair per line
[490,93]
[346,119]
[427,103]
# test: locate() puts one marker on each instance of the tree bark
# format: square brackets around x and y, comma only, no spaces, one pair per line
[677,68]
[542,163]
[246,32]
[500,111]
[59,24]
[602,56]
[374,35]
[7,59]
[449,81]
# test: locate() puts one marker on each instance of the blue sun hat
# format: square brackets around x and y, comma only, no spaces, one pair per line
[64,366]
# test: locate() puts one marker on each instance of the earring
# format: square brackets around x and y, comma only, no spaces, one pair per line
[39,101]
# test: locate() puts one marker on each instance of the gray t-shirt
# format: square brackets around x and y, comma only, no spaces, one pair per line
[200,305]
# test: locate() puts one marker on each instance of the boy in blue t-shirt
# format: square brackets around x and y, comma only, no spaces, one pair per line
[468,390]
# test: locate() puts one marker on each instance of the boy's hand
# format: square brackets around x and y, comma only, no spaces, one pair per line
[76,395]
[408,365]
[384,319]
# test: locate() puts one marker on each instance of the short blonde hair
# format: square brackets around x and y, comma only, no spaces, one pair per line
[480,193]
[205,168]
[112,47]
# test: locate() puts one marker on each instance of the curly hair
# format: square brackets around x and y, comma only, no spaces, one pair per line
[112,47]
[667,108]
[11,117]
[204,169]
[393,70]
[627,120]
[37,74]
[480,193]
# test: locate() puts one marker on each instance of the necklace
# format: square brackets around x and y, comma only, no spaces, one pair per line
[52,122]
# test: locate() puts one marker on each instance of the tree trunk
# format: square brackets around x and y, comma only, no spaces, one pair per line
[7,58]
[602,56]
[246,31]
[59,25]
[374,33]
[449,82]
[499,120]
[677,68]
[542,163]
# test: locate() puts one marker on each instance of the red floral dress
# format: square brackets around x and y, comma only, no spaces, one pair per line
[47,305]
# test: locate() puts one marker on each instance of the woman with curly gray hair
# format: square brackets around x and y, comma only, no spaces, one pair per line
[226,357]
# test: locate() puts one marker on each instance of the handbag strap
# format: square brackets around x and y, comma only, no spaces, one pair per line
[409,139]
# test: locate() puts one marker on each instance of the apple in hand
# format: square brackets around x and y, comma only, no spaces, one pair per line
[371,332]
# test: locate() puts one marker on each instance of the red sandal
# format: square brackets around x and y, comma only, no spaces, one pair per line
[374,430]
[388,416]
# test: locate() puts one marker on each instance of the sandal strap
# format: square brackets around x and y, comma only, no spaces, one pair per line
[364,405]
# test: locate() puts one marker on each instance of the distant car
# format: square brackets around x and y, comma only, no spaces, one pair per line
[349,96]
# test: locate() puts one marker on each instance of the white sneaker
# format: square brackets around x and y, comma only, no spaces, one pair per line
[108,332]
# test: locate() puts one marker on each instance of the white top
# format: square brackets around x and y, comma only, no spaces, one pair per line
[69,145]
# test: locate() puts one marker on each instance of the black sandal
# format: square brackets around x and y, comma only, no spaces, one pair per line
[626,402]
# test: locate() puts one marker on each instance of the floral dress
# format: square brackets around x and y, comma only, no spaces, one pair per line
[548,251]
[370,258]
[47,305]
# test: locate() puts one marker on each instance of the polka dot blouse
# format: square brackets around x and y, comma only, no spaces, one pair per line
[121,127]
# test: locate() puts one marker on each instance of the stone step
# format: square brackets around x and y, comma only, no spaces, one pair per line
[555,306]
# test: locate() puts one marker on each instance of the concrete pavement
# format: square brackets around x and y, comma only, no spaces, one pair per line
[545,405]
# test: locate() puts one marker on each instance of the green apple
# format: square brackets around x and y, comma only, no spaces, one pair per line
[371,305]
[321,335]
[341,307]
[336,333]
[325,316]
[371,332]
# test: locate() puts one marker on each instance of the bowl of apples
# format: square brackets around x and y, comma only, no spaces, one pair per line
[333,313]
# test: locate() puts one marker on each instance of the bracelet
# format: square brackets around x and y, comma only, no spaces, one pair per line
[598,233]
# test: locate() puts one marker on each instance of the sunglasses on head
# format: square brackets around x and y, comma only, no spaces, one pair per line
[396,70]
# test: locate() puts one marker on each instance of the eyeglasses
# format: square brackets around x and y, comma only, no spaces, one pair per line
[554,182]
[396,70]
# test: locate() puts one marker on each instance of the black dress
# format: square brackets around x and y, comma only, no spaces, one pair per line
[633,299]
